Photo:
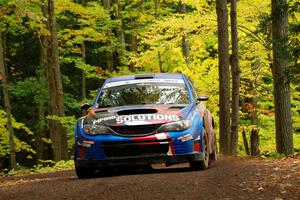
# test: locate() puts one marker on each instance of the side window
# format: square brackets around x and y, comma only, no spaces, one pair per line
[194,93]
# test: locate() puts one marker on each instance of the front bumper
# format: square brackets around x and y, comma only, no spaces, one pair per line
[110,150]
[168,160]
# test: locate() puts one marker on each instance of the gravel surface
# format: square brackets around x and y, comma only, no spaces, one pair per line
[228,178]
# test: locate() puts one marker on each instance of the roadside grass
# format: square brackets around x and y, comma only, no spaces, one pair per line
[51,166]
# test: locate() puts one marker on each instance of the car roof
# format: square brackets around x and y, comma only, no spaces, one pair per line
[145,76]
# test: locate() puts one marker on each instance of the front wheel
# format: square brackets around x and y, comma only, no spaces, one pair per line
[202,164]
[84,172]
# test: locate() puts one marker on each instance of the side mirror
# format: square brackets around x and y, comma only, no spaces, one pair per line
[84,107]
[203,98]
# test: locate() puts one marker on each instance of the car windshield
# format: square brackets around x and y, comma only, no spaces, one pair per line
[145,91]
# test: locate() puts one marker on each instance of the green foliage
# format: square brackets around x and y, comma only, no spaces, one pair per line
[4,136]
[68,123]
[51,167]
[79,25]
[83,38]
[47,167]
[20,15]
[272,155]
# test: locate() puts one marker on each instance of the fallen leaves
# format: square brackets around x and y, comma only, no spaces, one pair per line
[274,178]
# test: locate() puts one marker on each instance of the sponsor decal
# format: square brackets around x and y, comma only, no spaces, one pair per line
[104,119]
[146,117]
[138,118]
[142,81]
[185,138]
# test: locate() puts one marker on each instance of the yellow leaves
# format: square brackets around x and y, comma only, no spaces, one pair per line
[4,135]
[23,16]
[147,60]
[16,125]
[70,37]
[145,18]
[88,15]
[67,5]
[249,11]
[79,24]
[176,26]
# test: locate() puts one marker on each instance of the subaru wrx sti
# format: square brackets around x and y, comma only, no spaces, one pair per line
[139,120]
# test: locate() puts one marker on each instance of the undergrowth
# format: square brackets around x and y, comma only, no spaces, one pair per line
[47,168]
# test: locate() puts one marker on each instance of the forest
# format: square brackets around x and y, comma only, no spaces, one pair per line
[57,53]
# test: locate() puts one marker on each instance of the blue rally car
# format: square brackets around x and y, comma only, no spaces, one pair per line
[139,120]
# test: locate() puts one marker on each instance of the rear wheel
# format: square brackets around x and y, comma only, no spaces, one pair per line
[202,164]
[85,172]
[213,156]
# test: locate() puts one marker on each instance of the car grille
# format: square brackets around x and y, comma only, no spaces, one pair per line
[135,130]
[140,148]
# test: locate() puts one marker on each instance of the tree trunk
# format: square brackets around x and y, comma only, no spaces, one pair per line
[83,74]
[133,42]
[133,35]
[7,105]
[109,52]
[120,32]
[185,50]
[133,48]
[84,2]
[160,62]
[156,2]
[56,98]
[40,133]
[83,58]
[245,142]
[235,73]
[254,139]
[224,77]
[283,122]
[185,41]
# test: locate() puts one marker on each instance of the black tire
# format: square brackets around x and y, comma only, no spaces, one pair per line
[204,163]
[147,168]
[85,172]
[214,156]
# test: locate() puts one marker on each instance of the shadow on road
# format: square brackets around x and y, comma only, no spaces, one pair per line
[130,170]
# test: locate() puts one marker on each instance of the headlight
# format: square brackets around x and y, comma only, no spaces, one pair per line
[92,129]
[175,126]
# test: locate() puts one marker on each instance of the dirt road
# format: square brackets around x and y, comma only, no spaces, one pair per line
[227,179]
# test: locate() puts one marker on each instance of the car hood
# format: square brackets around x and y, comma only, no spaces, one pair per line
[135,115]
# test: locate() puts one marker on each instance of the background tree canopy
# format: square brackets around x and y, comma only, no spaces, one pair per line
[100,39]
